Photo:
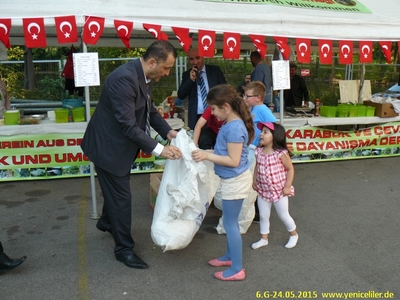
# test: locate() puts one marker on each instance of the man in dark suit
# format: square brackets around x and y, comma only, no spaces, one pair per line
[298,91]
[7,263]
[190,86]
[117,131]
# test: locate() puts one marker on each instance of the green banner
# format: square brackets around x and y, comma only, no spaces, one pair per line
[329,5]
[50,156]
[312,144]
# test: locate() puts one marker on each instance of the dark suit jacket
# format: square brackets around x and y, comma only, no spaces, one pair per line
[116,131]
[188,89]
[297,93]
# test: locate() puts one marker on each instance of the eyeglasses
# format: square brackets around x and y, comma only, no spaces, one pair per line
[249,96]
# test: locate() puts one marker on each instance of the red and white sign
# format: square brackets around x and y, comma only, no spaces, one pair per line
[231,48]
[345,52]
[34,32]
[303,50]
[92,30]
[182,34]
[259,43]
[124,30]
[5,26]
[66,29]
[155,31]
[206,42]
[325,51]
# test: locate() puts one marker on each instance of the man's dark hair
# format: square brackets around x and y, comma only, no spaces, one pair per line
[256,55]
[160,51]
[292,65]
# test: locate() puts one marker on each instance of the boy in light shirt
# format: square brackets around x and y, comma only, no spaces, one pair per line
[254,93]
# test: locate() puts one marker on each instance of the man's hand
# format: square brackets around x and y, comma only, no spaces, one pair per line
[171,152]
[172,134]
[193,73]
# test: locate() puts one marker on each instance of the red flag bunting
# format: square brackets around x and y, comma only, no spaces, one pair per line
[345,52]
[231,48]
[387,51]
[366,48]
[206,40]
[66,29]
[259,43]
[182,34]
[34,32]
[284,48]
[325,51]
[155,31]
[303,50]
[281,40]
[92,30]
[5,26]
[124,30]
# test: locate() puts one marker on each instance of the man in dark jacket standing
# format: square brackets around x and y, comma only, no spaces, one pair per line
[119,128]
[191,84]
[298,90]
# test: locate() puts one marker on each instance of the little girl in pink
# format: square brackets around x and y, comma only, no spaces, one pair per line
[273,178]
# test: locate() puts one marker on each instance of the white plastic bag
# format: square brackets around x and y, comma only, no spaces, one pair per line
[186,191]
[247,211]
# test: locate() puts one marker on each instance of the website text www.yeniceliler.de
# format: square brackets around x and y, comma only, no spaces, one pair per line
[358,295]
[313,294]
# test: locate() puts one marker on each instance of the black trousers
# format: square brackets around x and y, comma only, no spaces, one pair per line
[3,257]
[116,215]
[207,138]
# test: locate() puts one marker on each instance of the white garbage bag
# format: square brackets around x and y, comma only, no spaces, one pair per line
[186,191]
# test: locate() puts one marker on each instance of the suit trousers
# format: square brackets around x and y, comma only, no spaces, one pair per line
[117,210]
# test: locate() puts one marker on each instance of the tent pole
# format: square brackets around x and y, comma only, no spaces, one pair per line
[94,216]
[281,104]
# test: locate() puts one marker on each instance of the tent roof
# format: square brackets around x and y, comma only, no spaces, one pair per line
[382,24]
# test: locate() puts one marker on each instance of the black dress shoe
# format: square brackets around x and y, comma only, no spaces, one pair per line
[10,264]
[102,227]
[133,261]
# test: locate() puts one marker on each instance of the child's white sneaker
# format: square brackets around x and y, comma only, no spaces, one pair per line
[292,241]
[259,244]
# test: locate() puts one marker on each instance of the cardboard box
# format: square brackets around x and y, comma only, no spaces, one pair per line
[155,181]
[382,110]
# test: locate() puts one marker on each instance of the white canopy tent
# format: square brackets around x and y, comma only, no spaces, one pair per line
[382,24]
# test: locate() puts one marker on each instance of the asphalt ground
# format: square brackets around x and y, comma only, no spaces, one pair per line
[347,216]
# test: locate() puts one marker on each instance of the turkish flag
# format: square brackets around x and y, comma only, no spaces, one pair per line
[155,31]
[66,29]
[259,43]
[325,51]
[231,45]
[345,52]
[182,34]
[366,48]
[34,32]
[284,48]
[124,30]
[92,30]
[206,41]
[303,50]
[5,26]
[387,51]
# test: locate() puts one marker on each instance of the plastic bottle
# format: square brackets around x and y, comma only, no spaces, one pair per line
[316,112]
